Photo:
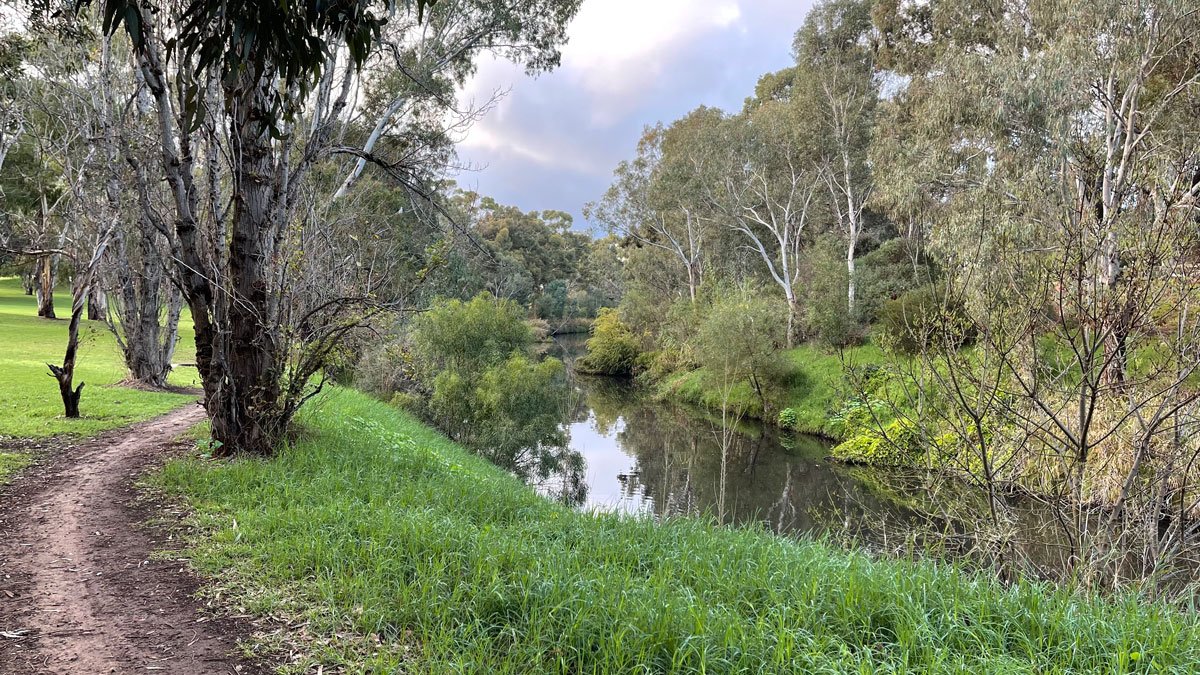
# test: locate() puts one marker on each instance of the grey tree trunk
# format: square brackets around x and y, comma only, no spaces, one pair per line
[147,340]
[45,286]
[97,306]
[244,412]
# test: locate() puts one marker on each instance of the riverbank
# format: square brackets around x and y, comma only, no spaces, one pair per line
[811,383]
[395,548]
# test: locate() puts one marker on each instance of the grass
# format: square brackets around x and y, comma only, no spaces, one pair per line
[401,552]
[811,383]
[10,463]
[30,406]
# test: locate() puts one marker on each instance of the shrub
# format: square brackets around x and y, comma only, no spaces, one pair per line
[925,319]
[788,418]
[899,444]
[469,336]
[612,349]
[739,341]
[383,370]
[892,269]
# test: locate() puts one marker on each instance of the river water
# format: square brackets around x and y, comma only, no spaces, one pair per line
[662,459]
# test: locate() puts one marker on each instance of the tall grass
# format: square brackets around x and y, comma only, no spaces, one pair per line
[402,552]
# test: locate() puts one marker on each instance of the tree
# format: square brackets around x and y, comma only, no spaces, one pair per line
[739,339]
[649,204]
[766,194]
[835,83]
[243,122]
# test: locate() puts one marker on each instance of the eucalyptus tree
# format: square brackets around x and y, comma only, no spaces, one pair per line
[248,104]
[836,87]
[766,193]
[654,200]
[1052,150]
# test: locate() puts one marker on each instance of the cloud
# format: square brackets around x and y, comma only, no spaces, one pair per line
[553,140]
[621,48]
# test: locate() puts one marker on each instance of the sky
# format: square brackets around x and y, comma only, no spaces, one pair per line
[553,141]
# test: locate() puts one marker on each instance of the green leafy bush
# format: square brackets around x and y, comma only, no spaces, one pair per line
[899,443]
[925,319]
[612,349]
[788,418]
[486,391]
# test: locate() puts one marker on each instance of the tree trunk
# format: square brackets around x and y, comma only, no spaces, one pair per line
[850,264]
[29,280]
[245,414]
[65,373]
[45,287]
[97,306]
[147,343]
[793,324]
[1115,324]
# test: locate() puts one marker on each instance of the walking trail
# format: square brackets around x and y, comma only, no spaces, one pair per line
[79,592]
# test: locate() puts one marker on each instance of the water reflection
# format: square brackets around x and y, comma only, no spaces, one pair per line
[647,456]
[652,457]
[639,455]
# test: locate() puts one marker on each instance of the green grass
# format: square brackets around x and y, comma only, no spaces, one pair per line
[401,552]
[811,383]
[10,463]
[30,405]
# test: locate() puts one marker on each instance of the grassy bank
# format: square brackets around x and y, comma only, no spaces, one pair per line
[399,550]
[29,401]
[811,383]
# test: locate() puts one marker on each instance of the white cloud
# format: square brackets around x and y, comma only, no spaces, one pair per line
[553,141]
[618,48]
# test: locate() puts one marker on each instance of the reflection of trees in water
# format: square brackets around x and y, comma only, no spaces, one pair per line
[785,483]
[680,469]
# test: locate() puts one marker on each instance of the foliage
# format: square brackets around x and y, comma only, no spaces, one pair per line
[739,339]
[922,320]
[613,348]
[29,401]
[468,337]
[788,418]
[898,443]
[400,551]
[473,358]
[831,323]
[888,271]
[518,408]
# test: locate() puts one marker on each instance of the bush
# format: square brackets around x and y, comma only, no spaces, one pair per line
[788,418]
[889,271]
[468,337]
[899,444]
[612,349]
[925,319]
[383,370]
[486,390]
[739,341]
[829,318]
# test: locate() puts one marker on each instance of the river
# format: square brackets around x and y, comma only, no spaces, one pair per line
[657,458]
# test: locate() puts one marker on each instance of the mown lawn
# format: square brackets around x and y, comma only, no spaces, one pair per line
[400,552]
[30,405]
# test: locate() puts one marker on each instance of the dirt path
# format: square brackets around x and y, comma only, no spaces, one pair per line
[78,590]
